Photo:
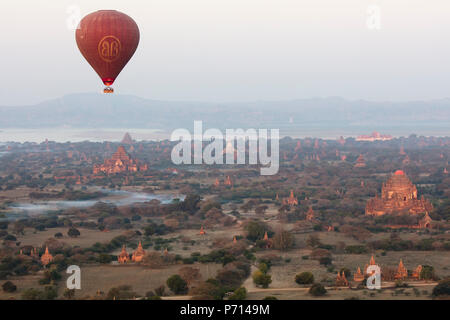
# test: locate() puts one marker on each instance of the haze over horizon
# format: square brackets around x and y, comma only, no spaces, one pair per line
[222,51]
[244,101]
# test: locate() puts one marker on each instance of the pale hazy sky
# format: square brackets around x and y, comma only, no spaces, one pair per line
[228,50]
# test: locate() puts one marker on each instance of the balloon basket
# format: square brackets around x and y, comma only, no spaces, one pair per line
[108,90]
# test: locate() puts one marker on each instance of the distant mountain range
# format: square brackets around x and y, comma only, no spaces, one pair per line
[123,111]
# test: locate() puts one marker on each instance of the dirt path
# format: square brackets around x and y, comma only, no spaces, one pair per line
[253,289]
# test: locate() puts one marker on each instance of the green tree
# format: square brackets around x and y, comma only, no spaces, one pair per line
[9,287]
[69,293]
[105,258]
[263,267]
[123,292]
[177,284]
[304,278]
[325,261]
[239,294]
[190,203]
[442,288]
[31,294]
[317,290]
[261,279]
[283,240]
[255,230]
[73,233]
[313,241]
[49,293]
[427,273]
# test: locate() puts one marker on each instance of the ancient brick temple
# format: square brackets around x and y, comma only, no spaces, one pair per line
[341,280]
[46,257]
[291,201]
[127,139]
[267,240]
[310,215]
[228,181]
[123,257]
[398,195]
[120,161]
[358,276]
[138,254]
[360,162]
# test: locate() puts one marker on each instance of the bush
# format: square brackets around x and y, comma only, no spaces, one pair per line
[261,279]
[401,284]
[304,278]
[120,293]
[49,293]
[427,273]
[239,294]
[283,240]
[255,230]
[317,290]
[270,298]
[177,284]
[356,249]
[8,286]
[210,289]
[105,258]
[326,261]
[442,288]
[69,293]
[263,267]
[73,232]
[160,291]
[31,294]
[50,276]
[10,237]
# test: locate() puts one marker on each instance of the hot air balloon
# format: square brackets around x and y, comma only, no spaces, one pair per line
[107,39]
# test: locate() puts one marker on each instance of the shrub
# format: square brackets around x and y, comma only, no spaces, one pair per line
[317,290]
[255,230]
[401,284]
[160,291]
[263,267]
[69,293]
[325,261]
[304,278]
[8,286]
[120,293]
[261,279]
[177,284]
[283,240]
[239,294]
[208,290]
[356,249]
[105,258]
[427,273]
[10,237]
[49,293]
[73,232]
[442,288]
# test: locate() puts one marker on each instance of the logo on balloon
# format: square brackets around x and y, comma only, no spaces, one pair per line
[109,48]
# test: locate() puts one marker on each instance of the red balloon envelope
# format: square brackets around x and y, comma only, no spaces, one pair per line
[107,39]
